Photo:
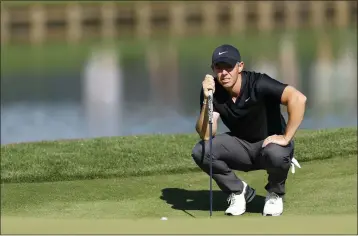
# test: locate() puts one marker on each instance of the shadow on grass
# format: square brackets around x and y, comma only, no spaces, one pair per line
[182,199]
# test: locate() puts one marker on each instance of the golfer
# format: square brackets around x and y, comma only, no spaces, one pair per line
[259,138]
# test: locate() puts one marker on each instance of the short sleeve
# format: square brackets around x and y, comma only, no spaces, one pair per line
[270,88]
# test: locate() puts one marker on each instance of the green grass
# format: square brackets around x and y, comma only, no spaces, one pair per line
[345,224]
[140,155]
[153,176]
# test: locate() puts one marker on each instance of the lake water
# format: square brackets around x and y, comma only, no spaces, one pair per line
[157,90]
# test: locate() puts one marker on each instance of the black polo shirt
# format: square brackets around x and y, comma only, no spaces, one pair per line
[256,113]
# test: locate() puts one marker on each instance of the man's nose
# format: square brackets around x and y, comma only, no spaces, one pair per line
[225,72]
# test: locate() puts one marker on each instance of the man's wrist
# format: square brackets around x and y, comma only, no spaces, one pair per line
[287,138]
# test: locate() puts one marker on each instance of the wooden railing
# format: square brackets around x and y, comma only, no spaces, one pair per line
[74,21]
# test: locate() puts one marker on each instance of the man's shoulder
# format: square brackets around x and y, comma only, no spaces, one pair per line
[254,75]
[257,79]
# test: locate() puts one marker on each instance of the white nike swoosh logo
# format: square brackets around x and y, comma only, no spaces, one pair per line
[247,99]
[222,52]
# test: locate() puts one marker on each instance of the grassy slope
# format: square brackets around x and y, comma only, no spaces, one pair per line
[324,190]
[140,155]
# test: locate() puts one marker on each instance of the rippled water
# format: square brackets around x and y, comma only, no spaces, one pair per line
[157,92]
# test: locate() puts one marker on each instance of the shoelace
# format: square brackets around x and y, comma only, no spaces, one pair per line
[272,197]
[231,199]
[294,163]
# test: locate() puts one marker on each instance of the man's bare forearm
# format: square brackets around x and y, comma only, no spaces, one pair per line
[202,124]
[295,109]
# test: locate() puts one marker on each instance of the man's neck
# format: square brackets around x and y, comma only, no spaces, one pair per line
[234,91]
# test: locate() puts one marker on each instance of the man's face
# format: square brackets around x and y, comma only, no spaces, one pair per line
[227,75]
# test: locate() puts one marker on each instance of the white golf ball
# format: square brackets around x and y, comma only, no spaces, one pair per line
[164,218]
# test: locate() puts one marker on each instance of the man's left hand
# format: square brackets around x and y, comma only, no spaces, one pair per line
[278,139]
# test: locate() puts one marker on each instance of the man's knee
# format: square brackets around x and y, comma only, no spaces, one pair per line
[196,153]
[199,153]
[277,156]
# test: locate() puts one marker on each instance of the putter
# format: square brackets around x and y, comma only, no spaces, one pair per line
[210,114]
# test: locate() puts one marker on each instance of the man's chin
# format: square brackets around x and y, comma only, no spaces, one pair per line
[226,85]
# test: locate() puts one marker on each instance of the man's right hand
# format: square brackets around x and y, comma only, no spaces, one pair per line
[208,84]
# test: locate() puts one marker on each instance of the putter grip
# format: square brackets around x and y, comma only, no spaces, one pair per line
[210,106]
[210,93]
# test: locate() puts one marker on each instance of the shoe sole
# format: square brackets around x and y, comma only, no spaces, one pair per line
[272,214]
[249,196]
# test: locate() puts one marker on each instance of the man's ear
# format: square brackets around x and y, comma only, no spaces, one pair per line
[241,66]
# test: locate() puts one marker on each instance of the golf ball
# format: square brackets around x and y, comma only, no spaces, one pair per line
[164,218]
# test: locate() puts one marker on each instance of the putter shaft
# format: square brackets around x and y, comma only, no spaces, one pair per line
[210,111]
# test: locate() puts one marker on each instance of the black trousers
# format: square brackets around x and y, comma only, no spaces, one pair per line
[231,153]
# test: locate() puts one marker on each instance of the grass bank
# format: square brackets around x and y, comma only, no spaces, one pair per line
[141,155]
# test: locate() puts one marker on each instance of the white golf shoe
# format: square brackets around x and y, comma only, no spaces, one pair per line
[273,205]
[237,202]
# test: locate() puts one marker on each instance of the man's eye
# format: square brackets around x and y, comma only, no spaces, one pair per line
[223,67]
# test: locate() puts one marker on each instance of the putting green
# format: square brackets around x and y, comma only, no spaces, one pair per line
[135,205]
[342,224]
